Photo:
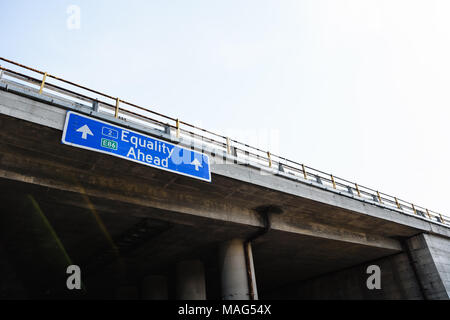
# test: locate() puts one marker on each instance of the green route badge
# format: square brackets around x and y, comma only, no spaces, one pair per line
[110,144]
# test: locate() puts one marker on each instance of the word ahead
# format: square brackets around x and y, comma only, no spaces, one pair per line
[92,134]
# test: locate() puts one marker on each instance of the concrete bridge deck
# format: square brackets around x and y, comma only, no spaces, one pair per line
[121,222]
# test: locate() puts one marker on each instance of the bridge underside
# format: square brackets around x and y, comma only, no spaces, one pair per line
[115,243]
[120,221]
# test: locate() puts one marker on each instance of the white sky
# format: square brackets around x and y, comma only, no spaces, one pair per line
[359,89]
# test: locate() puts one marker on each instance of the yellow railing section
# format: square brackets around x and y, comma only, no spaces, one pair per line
[240,152]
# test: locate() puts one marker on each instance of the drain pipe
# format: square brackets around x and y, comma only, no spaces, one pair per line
[265,212]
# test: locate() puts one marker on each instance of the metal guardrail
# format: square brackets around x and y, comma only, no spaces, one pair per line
[241,152]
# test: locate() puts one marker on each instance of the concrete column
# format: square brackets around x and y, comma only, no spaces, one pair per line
[190,280]
[154,288]
[431,259]
[233,271]
[127,292]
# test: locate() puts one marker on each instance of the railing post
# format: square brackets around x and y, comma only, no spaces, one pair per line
[428,213]
[304,172]
[357,189]
[414,208]
[270,160]
[178,128]
[379,197]
[234,151]
[228,146]
[442,218]
[116,113]
[192,141]
[332,180]
[397,203]
[95,105]
[350,190]
[167,129]
[43,82]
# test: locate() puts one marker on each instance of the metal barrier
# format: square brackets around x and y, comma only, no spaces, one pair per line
[240,152]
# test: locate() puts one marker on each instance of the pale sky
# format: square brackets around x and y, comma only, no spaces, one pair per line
[359,89]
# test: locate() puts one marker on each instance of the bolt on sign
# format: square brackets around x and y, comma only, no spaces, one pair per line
[96,135]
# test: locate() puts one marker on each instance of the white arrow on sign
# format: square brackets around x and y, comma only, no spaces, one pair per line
[197,164]
[85,131]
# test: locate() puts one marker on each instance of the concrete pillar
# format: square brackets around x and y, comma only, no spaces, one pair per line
[431,258]
[190,280]
[127,292]
[154,288]
[233,271]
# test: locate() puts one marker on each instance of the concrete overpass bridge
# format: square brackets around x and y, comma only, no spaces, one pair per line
[264,227]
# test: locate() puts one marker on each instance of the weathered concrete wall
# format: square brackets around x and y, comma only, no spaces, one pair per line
[431,257]
[423,275]
[398,281]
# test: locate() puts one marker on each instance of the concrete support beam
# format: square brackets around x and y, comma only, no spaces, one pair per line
[191,209]
[190,280]
[233,271]
[431,258]
[154,288]
[398,282]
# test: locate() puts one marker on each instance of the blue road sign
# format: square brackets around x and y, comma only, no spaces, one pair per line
[96,135]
